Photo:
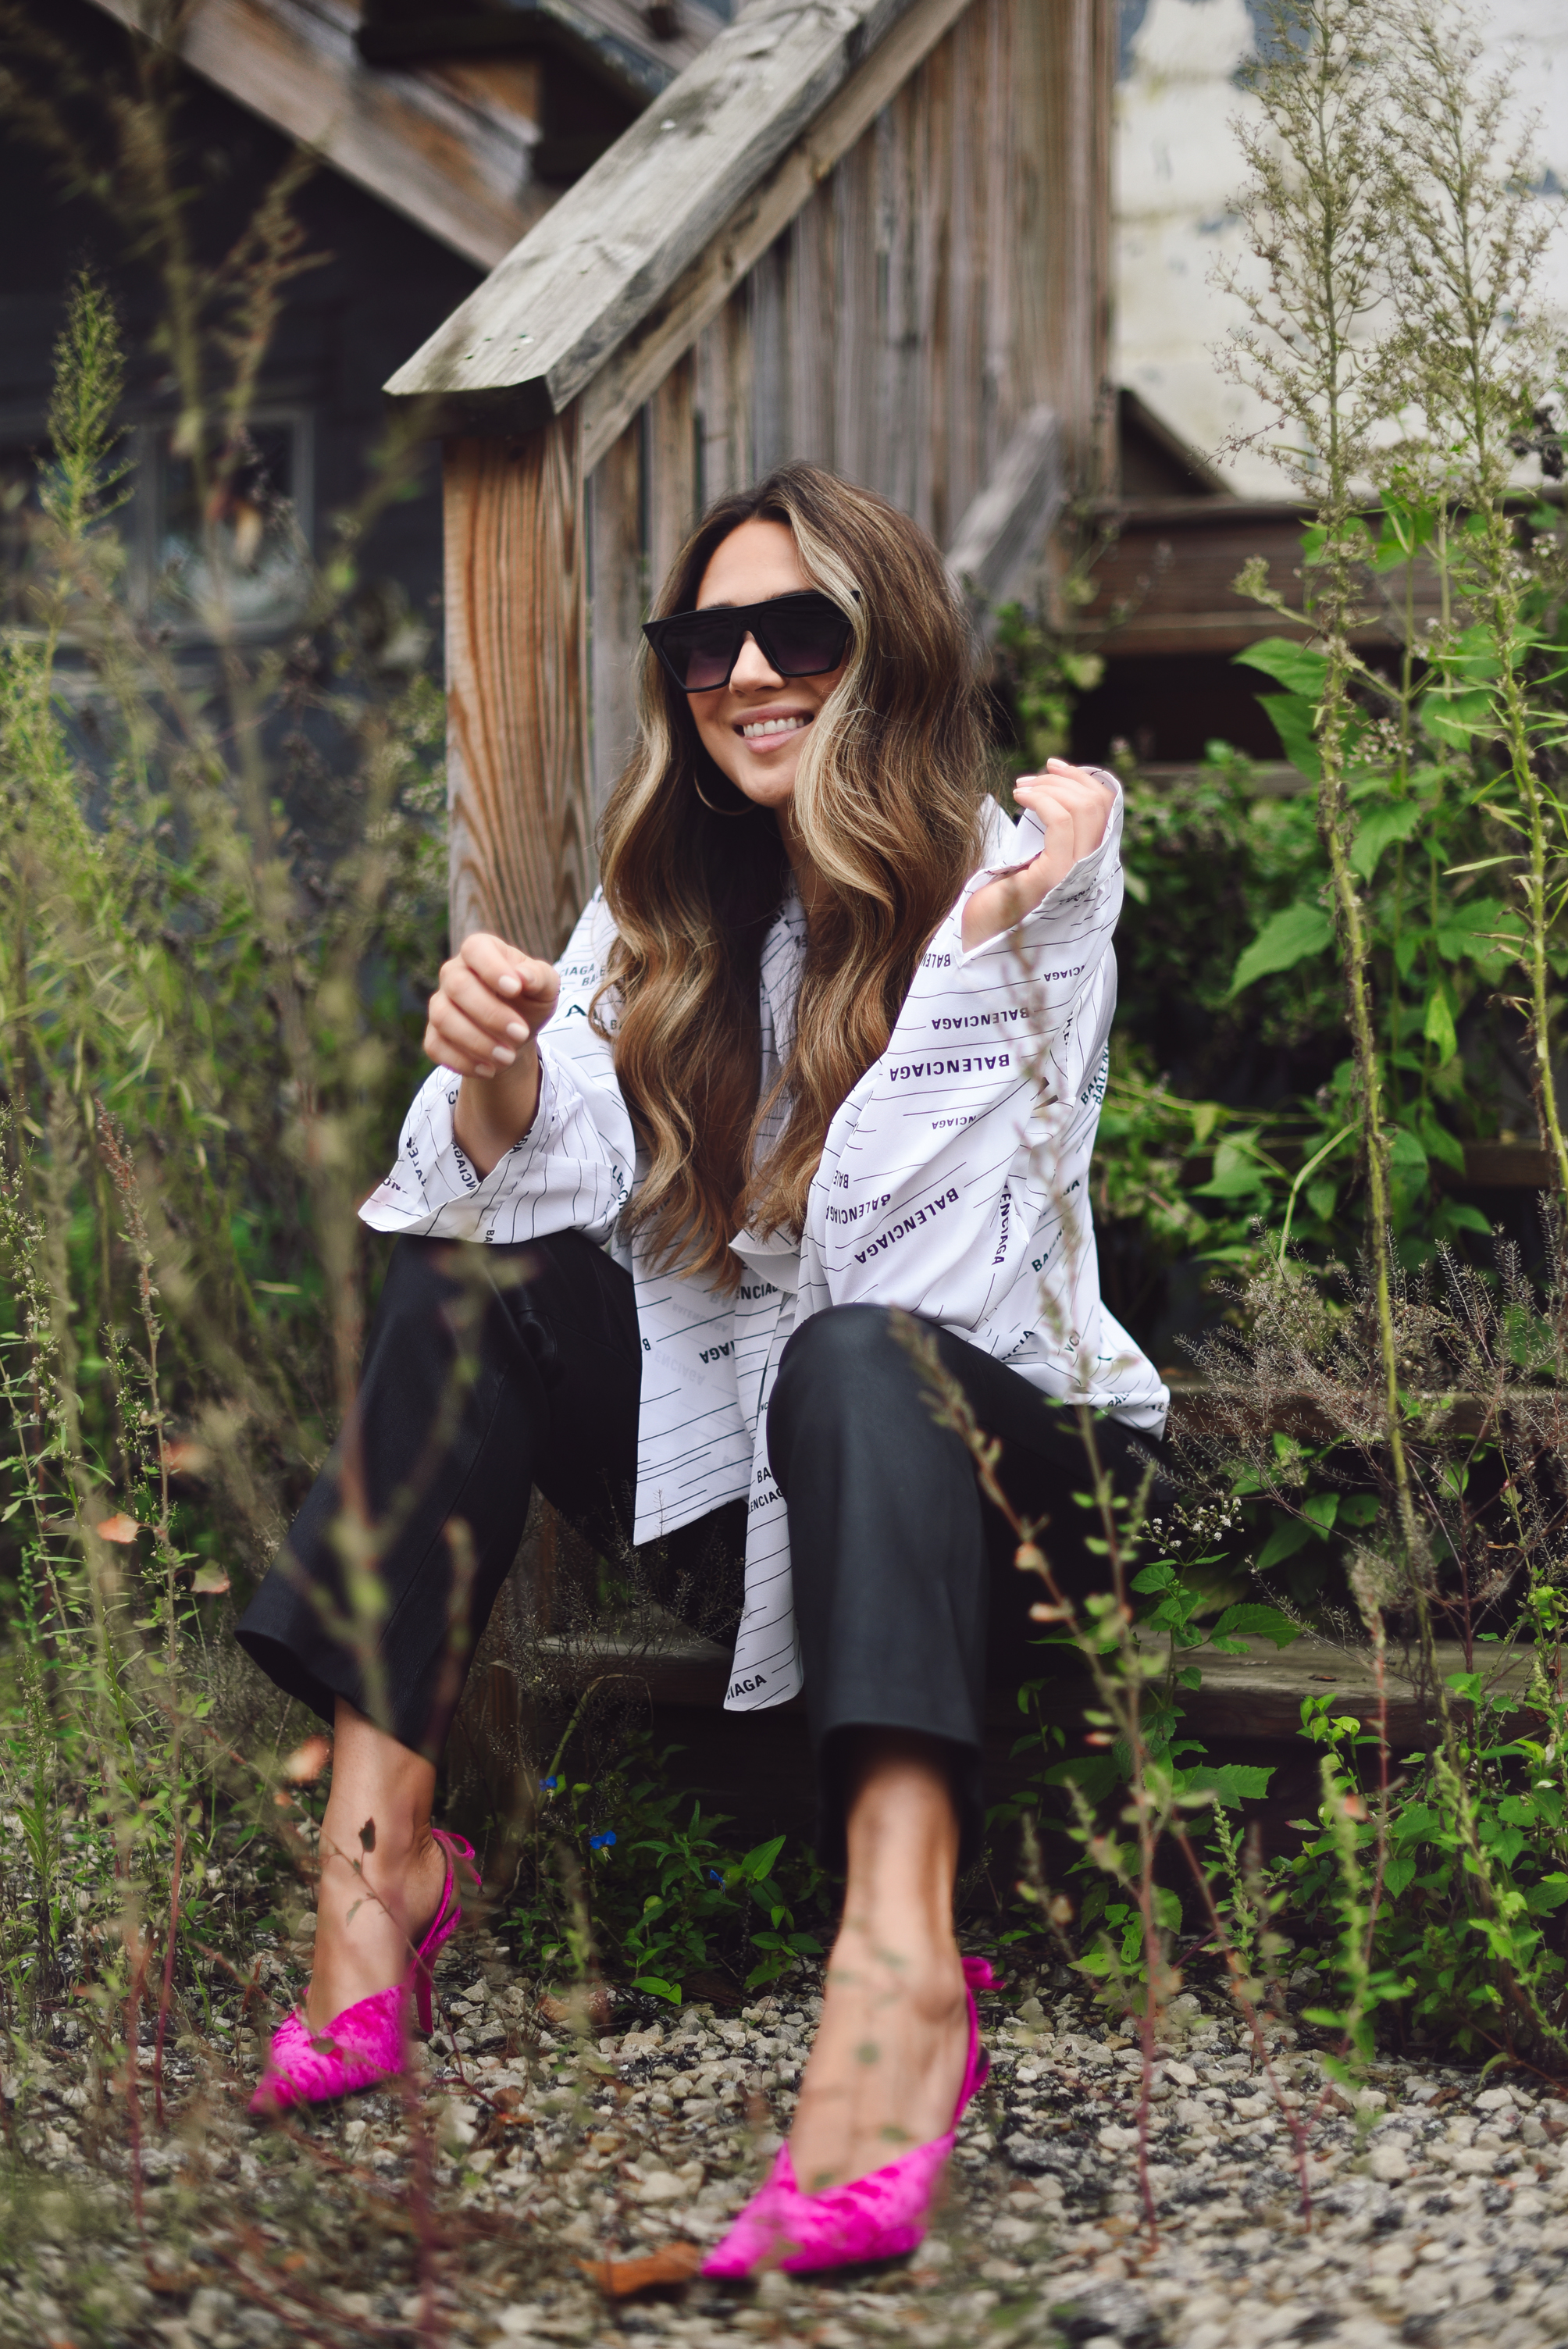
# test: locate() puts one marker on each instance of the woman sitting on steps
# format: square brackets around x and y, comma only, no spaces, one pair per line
[830,1040]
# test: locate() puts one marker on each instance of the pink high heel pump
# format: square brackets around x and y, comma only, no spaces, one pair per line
[363,2046]
[877,2218]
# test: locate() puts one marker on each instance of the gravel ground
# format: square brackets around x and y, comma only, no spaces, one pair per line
[1440,2196]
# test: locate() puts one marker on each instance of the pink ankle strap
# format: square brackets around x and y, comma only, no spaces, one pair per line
[977,1973]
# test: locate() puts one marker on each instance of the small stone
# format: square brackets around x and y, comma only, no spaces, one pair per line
[662,2185]
[1390,2163]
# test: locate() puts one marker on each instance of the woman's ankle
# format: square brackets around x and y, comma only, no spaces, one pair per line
[373,1909]
[919,1958]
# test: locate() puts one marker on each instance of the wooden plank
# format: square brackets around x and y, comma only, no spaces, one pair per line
[769,288]
[1003,407]
[859,324]
[435,149]
[722,355]
[1510,1166]
[1035,227]
[934,197]
[963,399]
[1002,532]
[900,332]
[812,355]
[619,600]
[632,371]
[571,297]
[1172,563]
[520,833]
[1255,1696]
[669,496]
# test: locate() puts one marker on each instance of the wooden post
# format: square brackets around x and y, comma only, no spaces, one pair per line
[518,792]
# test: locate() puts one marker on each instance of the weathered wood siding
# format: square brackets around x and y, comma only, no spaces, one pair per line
[946,276]
[516,706]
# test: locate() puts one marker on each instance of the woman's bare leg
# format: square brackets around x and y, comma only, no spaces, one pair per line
[888,2059]
[370,1917]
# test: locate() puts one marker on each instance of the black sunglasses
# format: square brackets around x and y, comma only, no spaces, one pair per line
[798,636]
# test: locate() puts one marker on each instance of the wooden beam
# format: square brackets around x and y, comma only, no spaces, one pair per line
[454,164]
[532,338]
[1006,524]
[1256,1695]
[639,363]
[517,769]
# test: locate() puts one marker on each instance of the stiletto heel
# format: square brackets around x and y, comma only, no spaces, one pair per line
[363,2046]
[877,2218]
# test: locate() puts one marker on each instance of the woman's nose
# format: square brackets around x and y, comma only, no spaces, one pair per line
[753,671]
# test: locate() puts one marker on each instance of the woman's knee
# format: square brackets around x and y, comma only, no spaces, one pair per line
[839,1366]
[841,1349]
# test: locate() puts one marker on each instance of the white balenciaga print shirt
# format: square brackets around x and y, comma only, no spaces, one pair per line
[953,1183]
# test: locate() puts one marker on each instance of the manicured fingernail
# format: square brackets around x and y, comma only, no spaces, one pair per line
[509,983]
[503,1053]
[515,1028]
[483,1068]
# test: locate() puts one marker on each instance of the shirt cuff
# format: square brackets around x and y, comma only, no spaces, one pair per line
[435,1173]
[1065,905]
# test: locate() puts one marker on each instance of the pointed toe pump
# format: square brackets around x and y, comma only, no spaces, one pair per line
[363,2046]
[877,2218]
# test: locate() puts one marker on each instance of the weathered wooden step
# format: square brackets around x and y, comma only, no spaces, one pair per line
[1255,1696]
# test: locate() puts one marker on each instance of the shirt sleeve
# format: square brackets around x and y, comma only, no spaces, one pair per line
[943,1163]
[570,1171]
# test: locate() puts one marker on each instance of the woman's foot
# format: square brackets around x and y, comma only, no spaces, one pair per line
[382,1871]
[888,2060]
[369,1921]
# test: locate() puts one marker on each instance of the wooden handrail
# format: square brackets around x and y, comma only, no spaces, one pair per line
[534,335]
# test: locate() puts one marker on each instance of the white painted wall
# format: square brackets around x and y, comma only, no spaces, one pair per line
[1177,169]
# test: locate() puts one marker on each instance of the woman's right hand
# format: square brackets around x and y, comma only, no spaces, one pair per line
[482,1022]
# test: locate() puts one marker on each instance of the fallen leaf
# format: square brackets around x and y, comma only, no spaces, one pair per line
[210,1582]
[595,2008]
[309,1760]
[119,1528]
[671,2263]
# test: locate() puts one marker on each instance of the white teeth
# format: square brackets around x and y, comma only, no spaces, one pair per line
[773,726]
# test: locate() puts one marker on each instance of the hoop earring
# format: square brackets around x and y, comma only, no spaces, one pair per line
[709,805]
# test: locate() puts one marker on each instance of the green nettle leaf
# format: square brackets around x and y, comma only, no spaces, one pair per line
[1232,1783]
[1299,669]
[1483,930]
[1379,830]
[1290,1534]
[1235,1175]
[1292,718]
[1439,1028]
[1456,717]
[1252,1620]
[1409,1159]
[656,1987]
[1295,935]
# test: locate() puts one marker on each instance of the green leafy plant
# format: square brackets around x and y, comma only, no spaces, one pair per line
[667,1896]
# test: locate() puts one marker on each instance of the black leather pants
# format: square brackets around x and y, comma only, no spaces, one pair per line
[490,1371]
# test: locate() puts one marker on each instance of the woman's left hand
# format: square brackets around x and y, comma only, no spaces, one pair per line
[1073,809]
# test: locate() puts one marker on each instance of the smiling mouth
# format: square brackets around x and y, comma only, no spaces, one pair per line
[769,728]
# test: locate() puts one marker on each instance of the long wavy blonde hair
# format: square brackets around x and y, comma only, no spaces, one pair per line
[887,803]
